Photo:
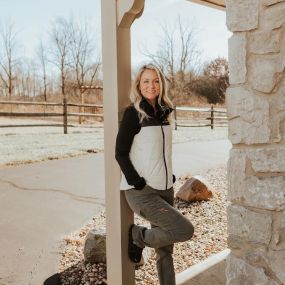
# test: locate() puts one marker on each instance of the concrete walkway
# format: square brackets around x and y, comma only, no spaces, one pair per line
[42,202]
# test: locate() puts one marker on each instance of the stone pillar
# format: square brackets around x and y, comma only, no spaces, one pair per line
[256,112]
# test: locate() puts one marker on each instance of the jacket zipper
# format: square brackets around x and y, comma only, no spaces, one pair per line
[166,172]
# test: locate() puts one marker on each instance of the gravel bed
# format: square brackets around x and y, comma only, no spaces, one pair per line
[208,217]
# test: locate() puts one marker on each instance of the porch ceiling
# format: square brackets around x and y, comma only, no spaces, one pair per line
[218,4]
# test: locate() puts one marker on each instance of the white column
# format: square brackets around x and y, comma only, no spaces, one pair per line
[117,17]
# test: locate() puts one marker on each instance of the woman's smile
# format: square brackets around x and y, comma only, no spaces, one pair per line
[149,85]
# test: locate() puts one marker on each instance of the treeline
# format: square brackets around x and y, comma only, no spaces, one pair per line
[67,63]
[211,84]
[180,58]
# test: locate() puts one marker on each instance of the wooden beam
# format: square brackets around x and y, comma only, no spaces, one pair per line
[128,11]
[217,4]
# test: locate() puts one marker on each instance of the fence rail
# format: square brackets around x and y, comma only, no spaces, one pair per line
[214,117]
[64,114]
[49,104]
[211,120]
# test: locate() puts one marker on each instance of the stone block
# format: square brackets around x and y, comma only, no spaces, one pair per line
[276,262]
[277,120]
[281,124]
[265,72]
[259,192]
[272,261]
[242,102]
[265,193]
[248,116]
[242,15]
[277,123]
[236,164]
[271,2]
[243,132]
[278,238]
[95,246]
[251,226]
[239,272]
[273,16]
[237,58]
[278,100]
[262,42]
[267,159]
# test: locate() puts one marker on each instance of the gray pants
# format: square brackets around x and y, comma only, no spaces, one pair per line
[167,227]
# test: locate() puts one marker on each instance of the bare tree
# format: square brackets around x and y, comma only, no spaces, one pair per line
[43,60]
[82,51]
[176,55]
[60,51]
[30,79]
[8,59]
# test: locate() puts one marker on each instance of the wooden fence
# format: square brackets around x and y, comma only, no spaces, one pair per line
[64,113]
[206,117]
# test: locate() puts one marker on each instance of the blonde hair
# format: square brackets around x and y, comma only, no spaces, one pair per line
[136,96]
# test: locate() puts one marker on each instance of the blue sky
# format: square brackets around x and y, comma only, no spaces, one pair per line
[32,20]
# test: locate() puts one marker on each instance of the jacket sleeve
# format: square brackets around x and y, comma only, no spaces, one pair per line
[129,127]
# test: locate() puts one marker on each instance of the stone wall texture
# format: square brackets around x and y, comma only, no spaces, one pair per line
[256,168]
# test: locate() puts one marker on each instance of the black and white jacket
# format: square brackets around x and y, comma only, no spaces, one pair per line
[144,150]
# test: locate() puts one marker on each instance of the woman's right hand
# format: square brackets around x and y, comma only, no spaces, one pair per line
[140,184]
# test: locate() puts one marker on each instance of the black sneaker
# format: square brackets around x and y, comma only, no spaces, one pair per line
[134,251]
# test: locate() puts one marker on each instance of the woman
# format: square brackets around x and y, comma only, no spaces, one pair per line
[144,151]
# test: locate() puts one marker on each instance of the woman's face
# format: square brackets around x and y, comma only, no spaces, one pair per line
[149,85]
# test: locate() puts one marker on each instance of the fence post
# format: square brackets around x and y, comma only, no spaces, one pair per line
[212,117]
[64,116]
[175,118]
[81,109]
